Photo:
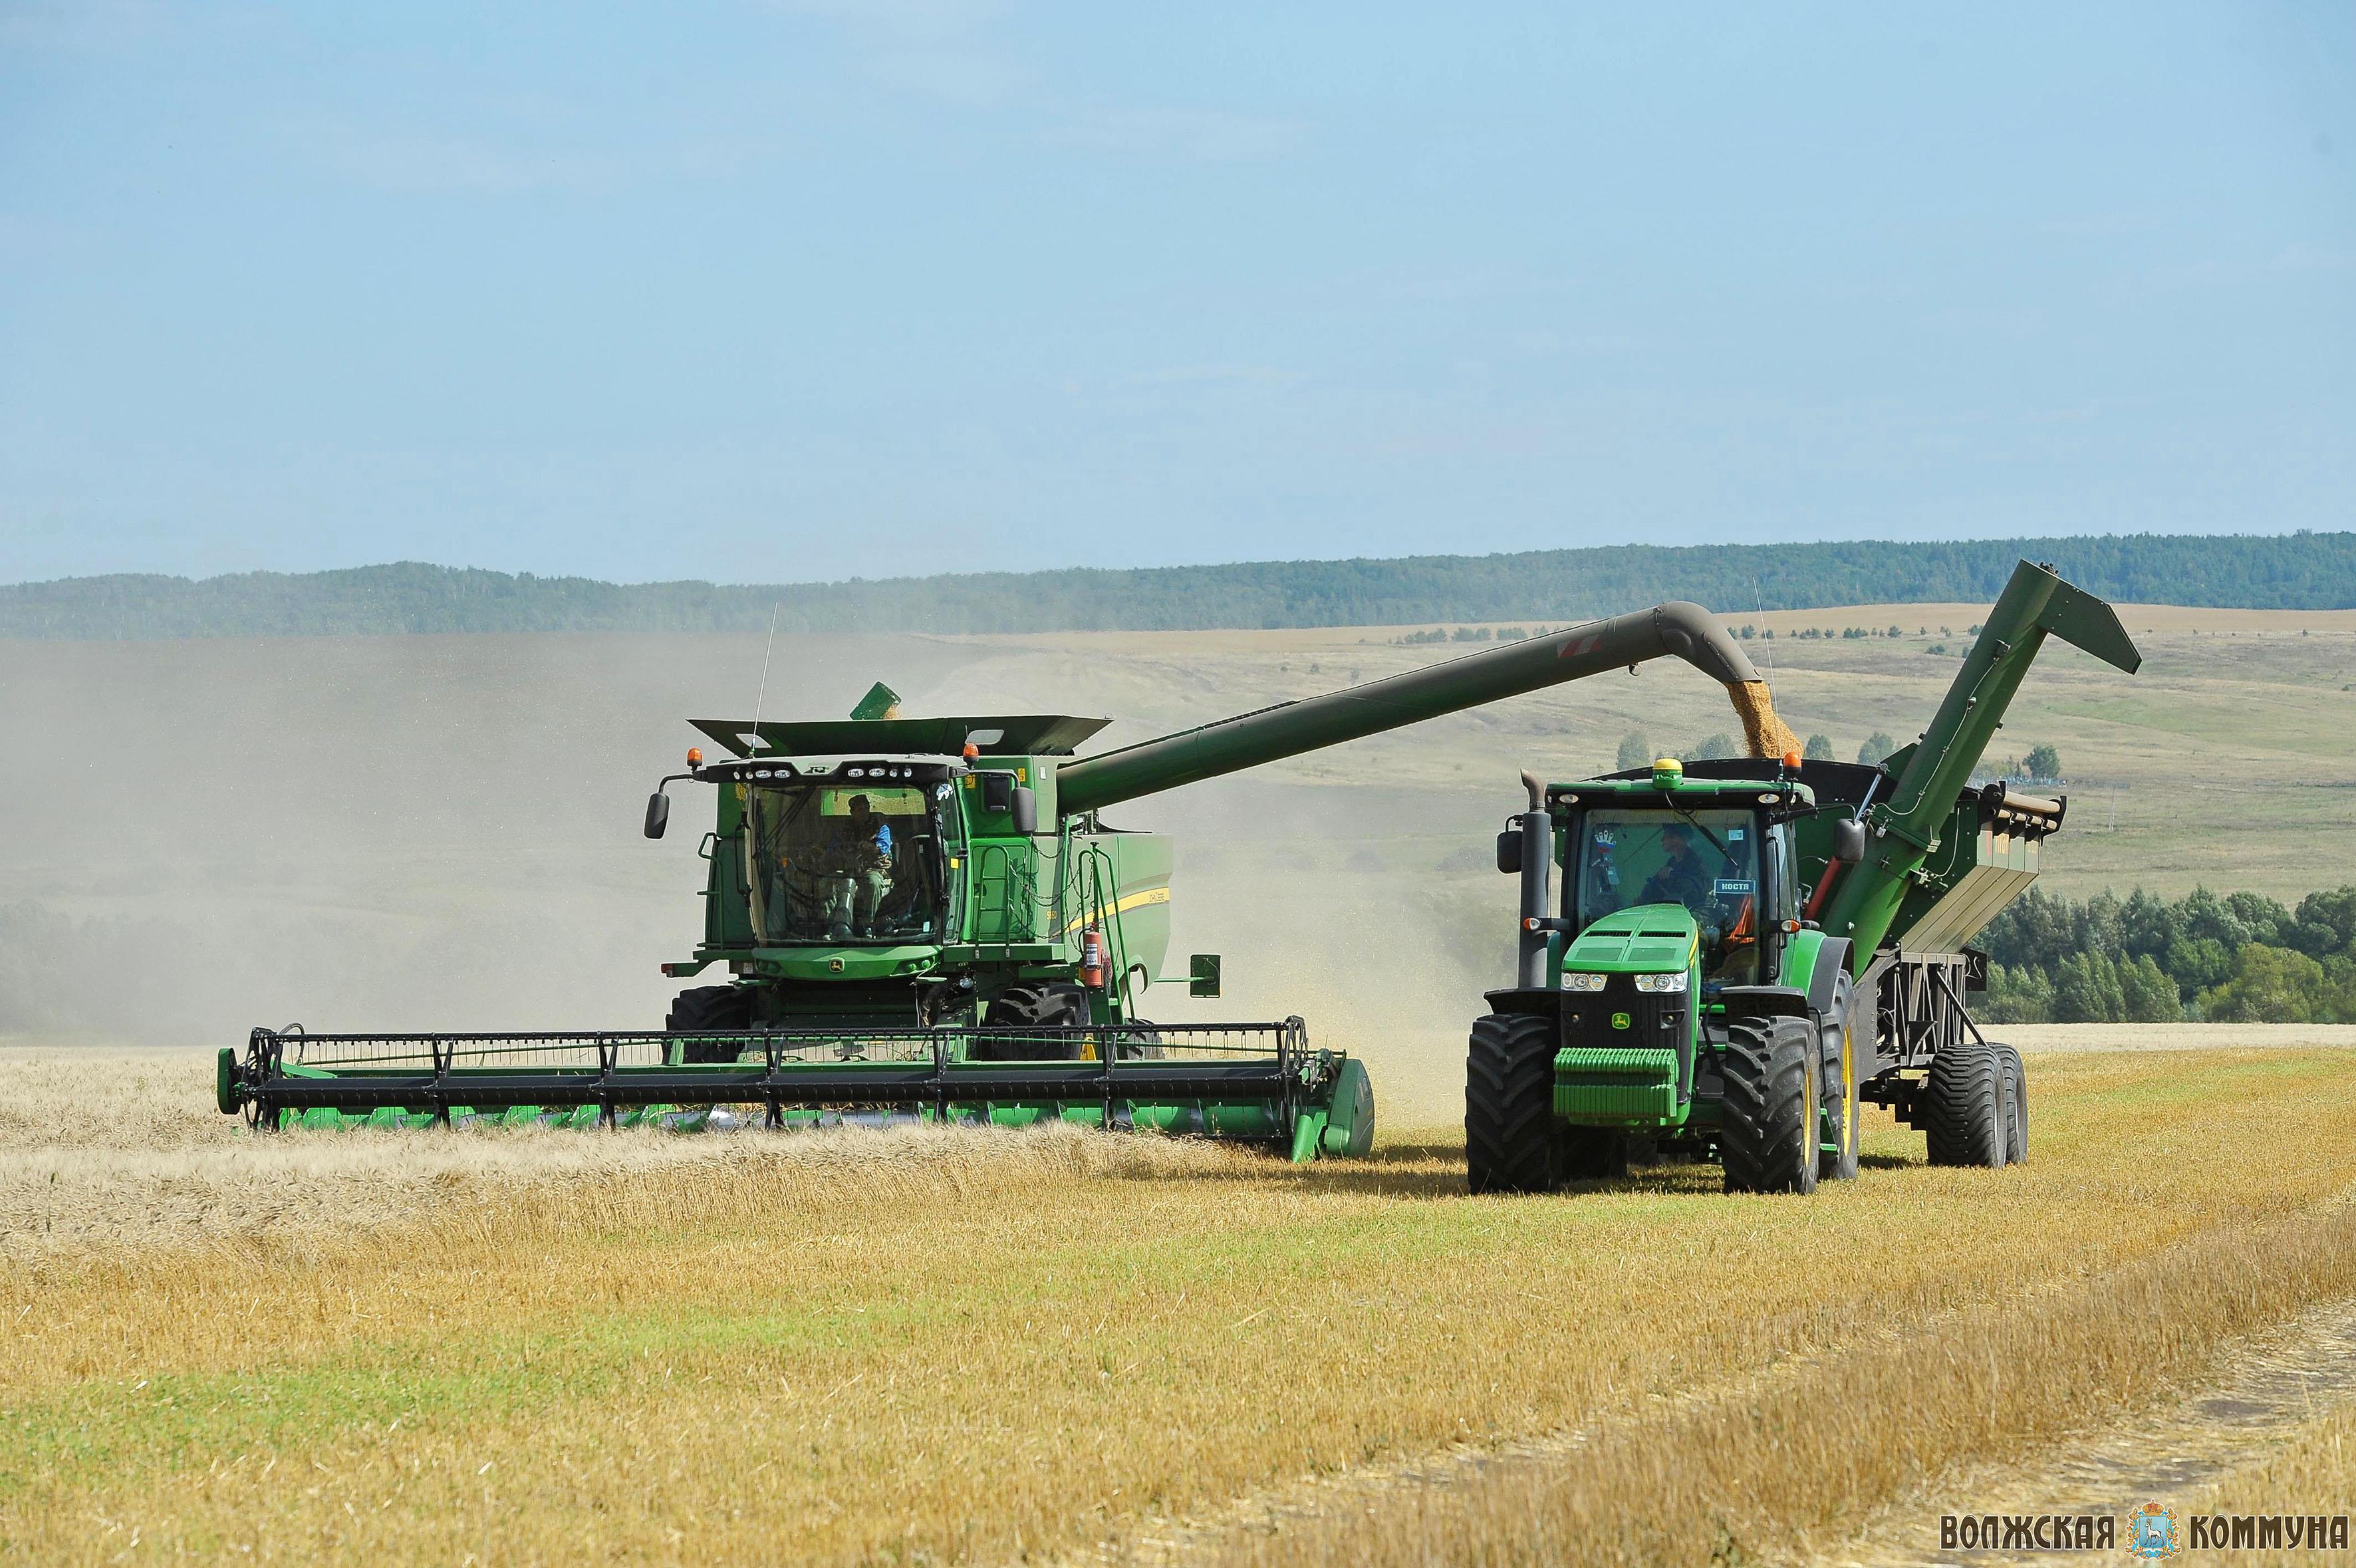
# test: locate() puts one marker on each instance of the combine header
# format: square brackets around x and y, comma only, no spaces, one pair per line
[930,919]
[1742,953]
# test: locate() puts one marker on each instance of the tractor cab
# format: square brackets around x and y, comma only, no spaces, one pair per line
[1710,860]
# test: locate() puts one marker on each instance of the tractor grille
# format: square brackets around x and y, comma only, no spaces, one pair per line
[1609,1072]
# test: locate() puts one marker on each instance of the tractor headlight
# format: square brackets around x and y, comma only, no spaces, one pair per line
[1572,981]
[1672,981]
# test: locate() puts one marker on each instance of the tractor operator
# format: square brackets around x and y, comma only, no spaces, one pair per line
[858,859]
[1682,879]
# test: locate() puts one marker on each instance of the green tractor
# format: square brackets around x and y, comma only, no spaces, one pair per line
[936,919]
[1741,954]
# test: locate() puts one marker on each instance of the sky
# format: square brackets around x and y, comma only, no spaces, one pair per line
[800,291]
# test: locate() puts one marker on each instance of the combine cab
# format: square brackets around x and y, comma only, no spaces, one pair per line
[1740,954]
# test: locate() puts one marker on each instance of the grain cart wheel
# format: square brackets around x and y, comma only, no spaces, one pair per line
[712,1007]
[1509,1135]
[1043,1006]
[1840,1096]
[1961,1107]
[2015,1079]
[1768,1141]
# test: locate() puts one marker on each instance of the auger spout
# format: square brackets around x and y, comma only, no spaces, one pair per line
[1676,630]
[1905,826]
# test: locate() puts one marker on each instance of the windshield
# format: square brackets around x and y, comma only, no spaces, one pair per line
[1707,861]
[847,863]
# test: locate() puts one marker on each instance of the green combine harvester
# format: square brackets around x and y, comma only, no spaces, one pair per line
[1741,954]
[934,920]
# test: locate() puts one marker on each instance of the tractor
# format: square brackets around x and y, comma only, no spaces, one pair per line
[1740,954]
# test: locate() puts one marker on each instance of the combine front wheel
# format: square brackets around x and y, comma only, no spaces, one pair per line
[1962,1109]
[717,1009]
[1770,1071]
[1509,1135]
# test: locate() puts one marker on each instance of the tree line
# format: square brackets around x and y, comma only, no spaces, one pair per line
[2298,571]
[2238,958]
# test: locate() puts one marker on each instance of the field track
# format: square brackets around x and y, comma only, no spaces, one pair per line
[542,1348]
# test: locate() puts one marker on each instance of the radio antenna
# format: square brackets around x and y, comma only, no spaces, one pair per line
[762,695]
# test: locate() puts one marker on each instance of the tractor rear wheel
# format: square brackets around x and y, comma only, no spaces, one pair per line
[2016,1106]
[1770,1069]
[716,1009]
[1840,1093]
[1961,1108]
[1509,1134]
[1047,1008]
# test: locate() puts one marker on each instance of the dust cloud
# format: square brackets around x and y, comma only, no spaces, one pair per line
[372,833]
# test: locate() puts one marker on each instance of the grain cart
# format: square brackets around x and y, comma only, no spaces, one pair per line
[936,919]
[1742,953]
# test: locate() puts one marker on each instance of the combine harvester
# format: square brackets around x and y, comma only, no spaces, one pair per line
[1741,954]
[930,918]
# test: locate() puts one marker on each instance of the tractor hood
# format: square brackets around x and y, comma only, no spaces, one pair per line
[1647,939]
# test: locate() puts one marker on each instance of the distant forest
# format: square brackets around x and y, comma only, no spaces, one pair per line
[2301,571]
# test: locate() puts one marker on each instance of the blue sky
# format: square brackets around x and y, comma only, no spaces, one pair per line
[798,291]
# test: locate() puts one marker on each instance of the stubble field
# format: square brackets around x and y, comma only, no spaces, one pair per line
[520,1347]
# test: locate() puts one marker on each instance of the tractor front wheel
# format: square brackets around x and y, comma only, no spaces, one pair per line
[1509,1134]
[1962,1109]
[1771,1067]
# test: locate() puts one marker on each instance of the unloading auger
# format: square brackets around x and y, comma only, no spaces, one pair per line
[929,920]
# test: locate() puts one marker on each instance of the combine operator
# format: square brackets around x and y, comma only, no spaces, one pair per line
[858,861]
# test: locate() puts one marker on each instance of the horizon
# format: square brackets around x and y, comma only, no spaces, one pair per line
[1174,566]
[800,292]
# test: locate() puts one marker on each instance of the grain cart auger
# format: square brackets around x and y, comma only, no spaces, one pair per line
[1741,953]
[928,918]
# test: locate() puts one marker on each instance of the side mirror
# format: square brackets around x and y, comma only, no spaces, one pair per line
[658,814]
[1849,841]
[1026,811]
[998,791]
[1202,975]
[1509,852]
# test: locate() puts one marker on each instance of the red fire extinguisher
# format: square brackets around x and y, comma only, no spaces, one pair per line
[1093,959]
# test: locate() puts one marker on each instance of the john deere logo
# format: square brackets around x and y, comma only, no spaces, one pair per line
[2151,1533]
[1621,1020]
[835,964]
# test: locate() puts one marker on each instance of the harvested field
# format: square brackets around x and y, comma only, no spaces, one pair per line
[968,1347]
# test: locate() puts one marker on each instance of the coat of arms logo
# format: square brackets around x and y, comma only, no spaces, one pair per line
[2151,1533]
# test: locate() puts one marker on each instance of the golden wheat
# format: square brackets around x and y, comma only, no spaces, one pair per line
[966,1347]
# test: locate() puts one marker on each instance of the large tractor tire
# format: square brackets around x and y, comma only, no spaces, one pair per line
[1048,1007]
[2015,1079]
[717,1008]
[1509,1134]
[1771,1072]
[1838,1162]
[1963,1106]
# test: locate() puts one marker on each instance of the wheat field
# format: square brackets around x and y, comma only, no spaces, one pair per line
[969,1346]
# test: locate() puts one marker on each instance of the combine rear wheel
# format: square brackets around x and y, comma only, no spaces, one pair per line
[715,1008]
[2015,1078]
[1509,1134]
[1838,1163]
[1961,1108]
[1770,1067]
